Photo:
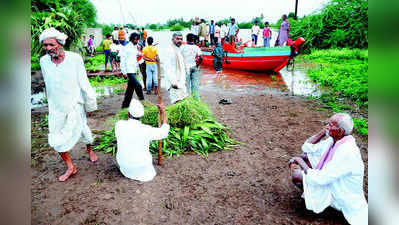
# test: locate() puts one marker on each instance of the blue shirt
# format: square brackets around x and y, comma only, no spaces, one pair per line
[211,28]
[232,29]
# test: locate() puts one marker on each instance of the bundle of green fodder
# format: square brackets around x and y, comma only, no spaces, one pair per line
[193,129]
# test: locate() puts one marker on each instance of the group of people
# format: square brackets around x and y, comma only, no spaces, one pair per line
[213,33]
[330,171]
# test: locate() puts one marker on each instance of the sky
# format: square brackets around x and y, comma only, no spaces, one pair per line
[141,12]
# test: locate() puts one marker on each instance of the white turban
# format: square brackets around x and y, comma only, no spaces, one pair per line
[136,109]
[53,33]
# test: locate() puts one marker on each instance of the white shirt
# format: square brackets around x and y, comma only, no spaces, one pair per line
[176,74]
[255,30]
[195,29]
[115,35]
[189,53]
[133,155]
[128,55]
[339,183]
[223,31]
[69,96]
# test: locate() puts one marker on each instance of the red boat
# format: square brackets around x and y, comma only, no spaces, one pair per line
[257,58]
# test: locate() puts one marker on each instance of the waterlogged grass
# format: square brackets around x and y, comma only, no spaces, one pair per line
[193,129]
[106,81]
[343,73]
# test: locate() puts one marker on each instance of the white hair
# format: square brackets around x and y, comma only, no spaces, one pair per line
[344,121]
[53,33]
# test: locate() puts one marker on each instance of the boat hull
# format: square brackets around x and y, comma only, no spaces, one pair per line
[254,59]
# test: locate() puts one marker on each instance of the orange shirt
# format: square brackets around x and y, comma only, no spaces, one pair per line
[145,34]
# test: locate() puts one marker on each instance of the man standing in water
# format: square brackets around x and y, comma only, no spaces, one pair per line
[69,96]
[176,70]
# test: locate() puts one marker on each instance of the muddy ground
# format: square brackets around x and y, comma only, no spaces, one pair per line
[248,185]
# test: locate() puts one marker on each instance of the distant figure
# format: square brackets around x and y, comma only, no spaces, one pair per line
[90,45]
[121,36]
[115,48]
[202,32]
[195,31]
[107,52]
[133,138]
[217,33]
[284,31]
[331,171]
[143,36]
[223,32]
[217,54]
[233,31]
[191,53]
[115,35]
[255,30]
[129,65]
[151,58]
[212,32]
[176,70]
[70,98]
[267,35]
[85,44]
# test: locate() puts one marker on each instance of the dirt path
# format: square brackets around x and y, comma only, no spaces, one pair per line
[248,185]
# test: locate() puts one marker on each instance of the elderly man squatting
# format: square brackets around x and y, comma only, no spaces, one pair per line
[69,96]
[331,171]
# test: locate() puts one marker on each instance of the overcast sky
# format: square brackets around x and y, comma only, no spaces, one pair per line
[159,11]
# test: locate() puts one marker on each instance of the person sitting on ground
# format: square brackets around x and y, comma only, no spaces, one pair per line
[217,54]
[330,171]
[133,141]
[107,52]
[151,58]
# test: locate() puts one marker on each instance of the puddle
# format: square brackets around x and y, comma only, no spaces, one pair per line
[39,99]
[295,82]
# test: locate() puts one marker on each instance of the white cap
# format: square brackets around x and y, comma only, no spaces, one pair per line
[53,33]
[136,109]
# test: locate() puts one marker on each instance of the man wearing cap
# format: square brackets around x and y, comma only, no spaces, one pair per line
[69,97]
[133,140]
[176,70]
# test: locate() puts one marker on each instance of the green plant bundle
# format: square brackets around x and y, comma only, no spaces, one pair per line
[193,129]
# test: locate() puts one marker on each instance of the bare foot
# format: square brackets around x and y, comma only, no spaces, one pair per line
[67,174]
[93,156]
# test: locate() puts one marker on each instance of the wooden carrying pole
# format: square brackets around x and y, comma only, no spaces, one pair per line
[160,113]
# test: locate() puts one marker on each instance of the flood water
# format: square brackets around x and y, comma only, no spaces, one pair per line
[289,81]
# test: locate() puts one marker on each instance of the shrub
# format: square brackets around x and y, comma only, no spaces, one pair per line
[177,27]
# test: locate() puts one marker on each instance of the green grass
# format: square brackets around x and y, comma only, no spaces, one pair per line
[106,81]
[193,129]
[93,63]
[343,73]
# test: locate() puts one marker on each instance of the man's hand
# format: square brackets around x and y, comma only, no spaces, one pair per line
[161,107]
[88,114]
[124,76]
[174,86]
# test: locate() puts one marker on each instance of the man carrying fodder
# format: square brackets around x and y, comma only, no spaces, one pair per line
[133,140]
[330,171]
[69,96]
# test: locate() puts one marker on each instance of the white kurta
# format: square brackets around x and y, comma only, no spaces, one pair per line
[133,155]
[176,74]
[69,97]
[128,56]
[339,183]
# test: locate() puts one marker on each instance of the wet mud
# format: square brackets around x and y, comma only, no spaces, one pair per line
[247,185]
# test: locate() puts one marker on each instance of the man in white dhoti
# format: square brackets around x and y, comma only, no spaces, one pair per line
[331,171]
[175,70]
[69,96]
[133,139]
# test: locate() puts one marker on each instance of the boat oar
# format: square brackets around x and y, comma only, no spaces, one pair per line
[160,113]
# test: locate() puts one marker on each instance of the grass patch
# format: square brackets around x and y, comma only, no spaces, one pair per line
[106,81]
[93,63]
[193,129]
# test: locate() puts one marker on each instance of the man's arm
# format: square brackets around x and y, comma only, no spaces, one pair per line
[89,95]
[163,131]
